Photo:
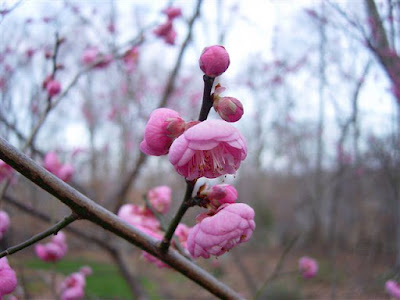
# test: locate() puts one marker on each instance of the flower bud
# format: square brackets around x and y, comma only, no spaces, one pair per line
[220,194]
[230,109]
[53,88]
[308,267]
[214,60]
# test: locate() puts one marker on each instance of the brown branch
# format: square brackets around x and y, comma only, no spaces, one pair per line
[86,208]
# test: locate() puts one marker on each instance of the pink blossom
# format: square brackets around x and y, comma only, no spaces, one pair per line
[166,32]
[66,172]
[170,37]
[220,194]
[230,109]
[211,148]
[308,267]
[214,60]
[105,60]
[138,216]
[393,288]
[5,171]
[172,12]
[163,126]
[130,59]
[73,287]
[86,270]
[4,223]
[54,250]
[231,225]
[89,55]
[182,232]
[147,256]
[160,198]
[53,87]
[53,165]
[8,278]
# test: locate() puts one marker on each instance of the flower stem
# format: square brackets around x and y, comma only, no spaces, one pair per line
[165,243]
[207,100]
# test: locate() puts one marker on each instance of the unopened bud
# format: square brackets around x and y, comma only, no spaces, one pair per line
[214,60]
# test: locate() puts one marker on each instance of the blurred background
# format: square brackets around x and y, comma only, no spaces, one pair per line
[320,86]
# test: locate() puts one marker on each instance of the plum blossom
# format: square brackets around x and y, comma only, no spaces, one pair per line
[160,198]
[166,30]
[5,171]
[230,109]
[73,287]
[172,12]
[90,55]
[220,194]
[214,60]
[162,128]
[209,149]
[147,256]
[53,165]
[54,250]
[393,288]
[4,223]
[53,87]
[308,267]
[138,216]
[8,278]
[182,232]
[231,225]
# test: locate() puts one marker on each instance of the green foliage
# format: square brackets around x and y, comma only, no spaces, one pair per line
[281,291]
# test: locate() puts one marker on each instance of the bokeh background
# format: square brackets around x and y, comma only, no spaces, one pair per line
[322,123]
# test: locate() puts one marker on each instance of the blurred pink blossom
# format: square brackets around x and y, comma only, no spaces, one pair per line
[163,126]
[172,12]
[89,55]
[393,288]
[53,87]
[73,287]
[54,250]
[214,60]
[308,267]
[137,215]
[231,225]
[220,194]
[4,223]
[209,149]
[182,232]
[8,278]
[160,198]
[5,171]
[53,165]
[130,59]
[150,258]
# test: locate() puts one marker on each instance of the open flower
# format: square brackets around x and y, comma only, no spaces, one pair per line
[209,149]
[308,267]
[4,223]
[160,198]
[54,250]
[162,128]
[8,279]
[231,225]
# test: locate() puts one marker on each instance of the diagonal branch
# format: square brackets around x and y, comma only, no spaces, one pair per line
[88,209]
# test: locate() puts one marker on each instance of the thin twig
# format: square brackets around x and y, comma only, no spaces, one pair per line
[52,230]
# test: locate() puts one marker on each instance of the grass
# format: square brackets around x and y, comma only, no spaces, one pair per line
[105,282]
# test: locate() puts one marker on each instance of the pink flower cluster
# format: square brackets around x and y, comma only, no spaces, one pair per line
[8,278]
[4,223]
[166,30]
[393,289]
[224,226]
[308,267]
[142,218]
[5,171]
[73,287]
[52,164]
[54,250]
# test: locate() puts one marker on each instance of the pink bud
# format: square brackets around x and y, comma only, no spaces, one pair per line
[170,37]
[160,198]
[172,12]
[393,289]
[214,60]
[54,250]
[157,135]
[209,149]
[230,109]
[220,194]
[231,225]
[66,172]
[4,223]
[5,171]
[163,29]
[308,267]
[53,87]
[8,279]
